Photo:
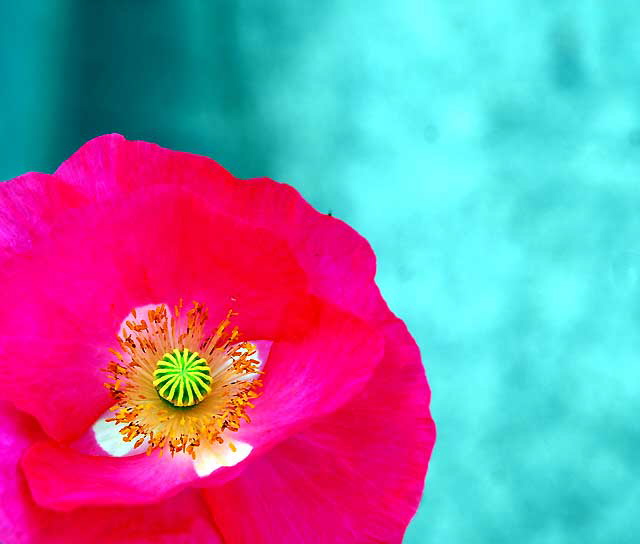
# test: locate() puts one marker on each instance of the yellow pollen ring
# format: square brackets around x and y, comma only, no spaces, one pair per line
[182,378]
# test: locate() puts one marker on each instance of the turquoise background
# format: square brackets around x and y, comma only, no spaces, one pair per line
[490,151]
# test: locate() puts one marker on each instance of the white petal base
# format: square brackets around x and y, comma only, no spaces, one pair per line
[212,457]
[110,440]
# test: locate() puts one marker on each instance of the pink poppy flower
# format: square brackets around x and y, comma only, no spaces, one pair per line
[187,357]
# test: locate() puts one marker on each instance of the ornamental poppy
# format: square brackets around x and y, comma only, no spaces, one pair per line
[189,357]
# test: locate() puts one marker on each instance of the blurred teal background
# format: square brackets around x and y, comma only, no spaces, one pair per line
[490,151]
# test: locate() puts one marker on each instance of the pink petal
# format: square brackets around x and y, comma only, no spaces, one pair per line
[330,364]
[161,246]
[65,403]
[183,519]
[339,263]
[18,518]
[61,478]
[161,226]
[60,294]
[63,303]
[29,206]
[55,326]
[109,165]
[355,476]
[313,375]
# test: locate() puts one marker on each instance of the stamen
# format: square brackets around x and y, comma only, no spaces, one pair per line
[176,387]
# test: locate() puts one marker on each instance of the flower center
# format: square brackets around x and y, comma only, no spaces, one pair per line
[183,378]
[177,386]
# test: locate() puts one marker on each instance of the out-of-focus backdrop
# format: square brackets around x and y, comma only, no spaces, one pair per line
[490,151]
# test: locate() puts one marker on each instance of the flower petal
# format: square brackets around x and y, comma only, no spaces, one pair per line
[332,363]
[183,519]
[318,360]
[18,519]
[108,439]
[61,478]
[122,224]
[314,375]
[29,206]
[36,383]
[62,307]
[338,261]
[215,456]
[109,165]
[355,476]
